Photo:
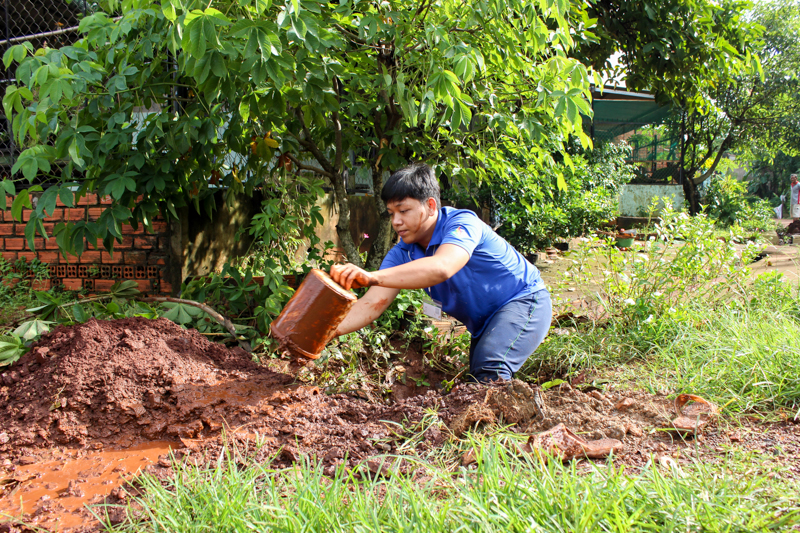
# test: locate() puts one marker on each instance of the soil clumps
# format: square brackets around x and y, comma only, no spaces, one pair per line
[126,381]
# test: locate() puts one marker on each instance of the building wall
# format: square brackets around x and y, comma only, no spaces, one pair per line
[634,200]
[142,257]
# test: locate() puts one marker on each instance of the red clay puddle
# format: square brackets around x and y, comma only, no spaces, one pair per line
[53,491]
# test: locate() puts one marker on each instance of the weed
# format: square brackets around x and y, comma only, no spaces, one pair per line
[503,492]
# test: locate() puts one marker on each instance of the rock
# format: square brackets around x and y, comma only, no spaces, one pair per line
[616,431]
[74,490]
[333,454]
[4,438]
[625,404]
[473,415]
[468,458]
[290,454]
[27,460]
[515,401]
[379,467]
[634,430]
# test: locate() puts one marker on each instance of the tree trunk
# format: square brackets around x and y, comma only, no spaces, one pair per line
[383,240]
[343,226]
[691,194]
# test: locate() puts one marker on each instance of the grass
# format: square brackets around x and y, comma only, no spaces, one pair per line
[747,360]
[502,493]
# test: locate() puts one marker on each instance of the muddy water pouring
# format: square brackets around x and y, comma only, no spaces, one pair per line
[309,320]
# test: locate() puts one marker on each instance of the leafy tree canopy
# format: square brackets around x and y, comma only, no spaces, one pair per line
[161,103]
[675,48]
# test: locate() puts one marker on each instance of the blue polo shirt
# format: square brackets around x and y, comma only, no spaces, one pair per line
[494,275]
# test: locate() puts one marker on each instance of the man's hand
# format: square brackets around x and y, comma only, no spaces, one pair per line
[350,276]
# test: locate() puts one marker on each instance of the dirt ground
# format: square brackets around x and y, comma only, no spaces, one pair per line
[92,404]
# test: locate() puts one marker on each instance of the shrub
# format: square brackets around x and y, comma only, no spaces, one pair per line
[726,201]
[531,220]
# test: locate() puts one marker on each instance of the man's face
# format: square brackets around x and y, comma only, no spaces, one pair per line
[794,181]
[411,219]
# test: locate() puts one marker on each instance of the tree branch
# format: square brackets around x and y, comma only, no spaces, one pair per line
[303,166]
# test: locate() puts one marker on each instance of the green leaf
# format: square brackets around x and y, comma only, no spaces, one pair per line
[79,313]
[244,110]
[21,201]
[181,313]
[12,348]
[124,289]
[33,329]
[551,384]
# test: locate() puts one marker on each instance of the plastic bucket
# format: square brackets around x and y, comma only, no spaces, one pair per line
[309,320]
[624,242]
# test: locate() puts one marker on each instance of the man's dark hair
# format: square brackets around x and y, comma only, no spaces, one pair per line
[414,181]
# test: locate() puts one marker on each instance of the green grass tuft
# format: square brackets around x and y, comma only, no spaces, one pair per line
[504,493]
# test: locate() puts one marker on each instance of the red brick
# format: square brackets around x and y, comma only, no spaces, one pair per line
[165,287]
[89,199]
[95,212]
[40,284]
[159,227]
[144,285]
[145,243]
[127,229]
[14,244]
[127,242]
[48,257]
[10,256]
[135,258]
[105,200]
[72,284]
[91,257]
[6,229]
[103,284]
[48,228]
[30,256]
[157,259]
[51,244]
[106,257]
[38,244]
[58,214]
[75,213]
[26,215]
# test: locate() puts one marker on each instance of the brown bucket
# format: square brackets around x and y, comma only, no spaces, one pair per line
[309,320]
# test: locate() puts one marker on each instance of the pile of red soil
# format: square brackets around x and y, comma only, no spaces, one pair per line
[120,382]
[116,383]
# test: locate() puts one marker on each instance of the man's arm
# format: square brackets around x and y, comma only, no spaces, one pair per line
[418,274]
[367,309]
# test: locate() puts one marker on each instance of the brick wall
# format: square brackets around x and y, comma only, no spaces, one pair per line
[142,257]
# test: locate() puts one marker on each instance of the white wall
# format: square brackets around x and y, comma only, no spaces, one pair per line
[635,199]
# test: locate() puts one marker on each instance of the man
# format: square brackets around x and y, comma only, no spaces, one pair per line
[466,269]
[794,198]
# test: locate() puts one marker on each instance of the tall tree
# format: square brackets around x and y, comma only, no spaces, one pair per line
[239,89]
[753,114]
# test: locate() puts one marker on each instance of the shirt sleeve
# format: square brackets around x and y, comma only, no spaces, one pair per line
[464,230]
[395,257]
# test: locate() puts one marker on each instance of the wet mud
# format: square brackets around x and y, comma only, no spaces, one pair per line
[118,395]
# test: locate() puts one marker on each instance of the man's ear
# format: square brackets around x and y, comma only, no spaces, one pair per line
[431,203]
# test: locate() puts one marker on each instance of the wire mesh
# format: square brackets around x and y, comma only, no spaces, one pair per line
[655,149]
[43,23]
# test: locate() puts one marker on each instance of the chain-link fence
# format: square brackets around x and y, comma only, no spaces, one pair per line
[655,150]
[636,118]
[50,23]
